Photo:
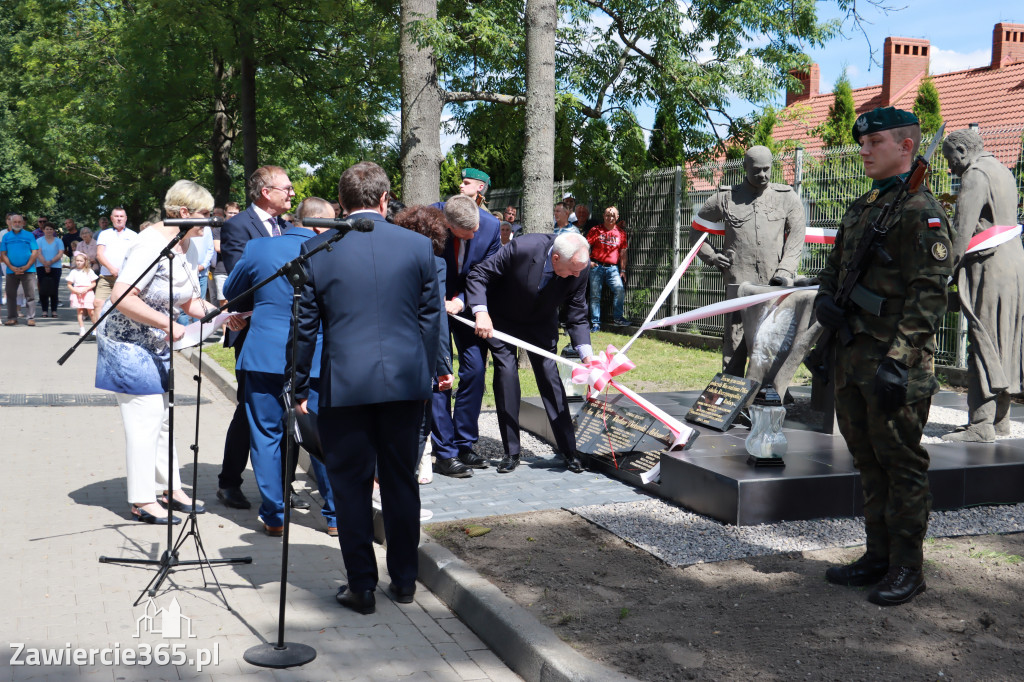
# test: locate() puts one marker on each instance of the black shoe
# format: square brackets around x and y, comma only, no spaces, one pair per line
[144,516]
[233,497]
[473,460]
[297,502]
[508,464]
[361,602]
[900,585]
[451,466]
[866,570]
[402,595]
[574,464]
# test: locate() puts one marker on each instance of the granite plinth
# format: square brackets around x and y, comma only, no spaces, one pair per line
[819,479]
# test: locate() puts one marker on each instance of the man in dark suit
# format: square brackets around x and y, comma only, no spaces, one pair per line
[518,292]
[270,192]
[376,294]
[263,361]
[455,430]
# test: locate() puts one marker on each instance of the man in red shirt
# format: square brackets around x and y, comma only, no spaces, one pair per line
[607,266]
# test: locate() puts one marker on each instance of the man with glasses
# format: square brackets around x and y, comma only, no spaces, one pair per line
[607,266]
[270,193]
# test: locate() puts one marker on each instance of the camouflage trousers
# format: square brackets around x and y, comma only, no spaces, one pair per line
[893,471]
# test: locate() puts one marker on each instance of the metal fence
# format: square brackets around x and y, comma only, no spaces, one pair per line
[659,208]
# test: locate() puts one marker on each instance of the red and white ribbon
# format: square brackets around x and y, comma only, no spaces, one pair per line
[614,363]
[820,235]
[723,307]
[705,225]
[993,237]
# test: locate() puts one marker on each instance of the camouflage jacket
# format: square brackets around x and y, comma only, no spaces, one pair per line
[913,284]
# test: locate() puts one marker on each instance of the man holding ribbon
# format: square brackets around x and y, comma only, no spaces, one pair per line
[990,284]
[518,292]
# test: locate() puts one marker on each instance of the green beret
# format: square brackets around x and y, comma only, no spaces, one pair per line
[476,175]
[883,118]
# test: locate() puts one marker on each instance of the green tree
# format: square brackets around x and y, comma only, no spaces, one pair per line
[927,106]
[666,148]
[837,128]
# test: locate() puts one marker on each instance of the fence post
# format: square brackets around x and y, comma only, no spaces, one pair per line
[798,172]
[677,237]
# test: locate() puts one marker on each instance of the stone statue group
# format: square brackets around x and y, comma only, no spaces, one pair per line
[763,225]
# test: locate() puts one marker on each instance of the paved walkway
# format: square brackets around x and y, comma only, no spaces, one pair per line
[63,505]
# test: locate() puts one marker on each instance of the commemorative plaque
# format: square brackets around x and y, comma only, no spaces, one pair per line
[621,440]
[721,402]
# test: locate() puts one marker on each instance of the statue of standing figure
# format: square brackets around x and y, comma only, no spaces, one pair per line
[763,223]
[990,281]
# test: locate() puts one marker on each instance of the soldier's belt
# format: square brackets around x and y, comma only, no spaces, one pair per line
[875,304]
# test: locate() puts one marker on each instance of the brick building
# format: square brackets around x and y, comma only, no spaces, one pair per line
[991,96]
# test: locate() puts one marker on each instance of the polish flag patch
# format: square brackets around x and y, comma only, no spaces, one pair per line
[934,223]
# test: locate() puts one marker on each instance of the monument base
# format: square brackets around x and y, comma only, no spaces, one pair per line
[819,479]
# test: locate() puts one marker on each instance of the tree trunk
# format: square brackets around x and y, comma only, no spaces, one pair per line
[247,92]
[422,102]
[220,142]
[539,145]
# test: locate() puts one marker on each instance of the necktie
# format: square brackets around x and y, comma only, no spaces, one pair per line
[457,243]
[275,229]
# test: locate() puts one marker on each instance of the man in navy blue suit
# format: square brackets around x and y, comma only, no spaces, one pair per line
[519,292]
[455,430]
[376,295]
[263,361]
[270,192]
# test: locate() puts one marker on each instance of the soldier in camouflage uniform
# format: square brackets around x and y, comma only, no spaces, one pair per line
[763,223]
[884,378]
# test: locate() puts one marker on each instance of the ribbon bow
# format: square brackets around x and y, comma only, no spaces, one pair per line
[600,369]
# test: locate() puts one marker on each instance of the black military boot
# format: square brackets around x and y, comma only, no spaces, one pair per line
[866,570]
[900,585]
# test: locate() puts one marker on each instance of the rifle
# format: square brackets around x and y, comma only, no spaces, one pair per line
[871,245]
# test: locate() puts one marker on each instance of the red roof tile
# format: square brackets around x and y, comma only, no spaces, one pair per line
[990,98]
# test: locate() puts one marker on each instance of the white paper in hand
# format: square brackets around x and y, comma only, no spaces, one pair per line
[193,334]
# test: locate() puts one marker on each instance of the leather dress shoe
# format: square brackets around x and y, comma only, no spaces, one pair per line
[508,464]
[272,531]
[900,585]
[473,460]
[866,570]
[297,502]
[574,464]
[233,497]
[402,595]
[361,601]
[452,466]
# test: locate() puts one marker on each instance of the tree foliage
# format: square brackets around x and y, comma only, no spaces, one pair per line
[837,128]
[927,106]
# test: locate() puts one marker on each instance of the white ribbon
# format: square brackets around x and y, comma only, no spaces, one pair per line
[722,307]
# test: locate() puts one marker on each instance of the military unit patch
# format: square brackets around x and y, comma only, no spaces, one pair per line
[872,196]
[939,251]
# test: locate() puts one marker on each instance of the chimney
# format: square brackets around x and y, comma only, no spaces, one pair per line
[1007,44]
[904,63]
[810,79]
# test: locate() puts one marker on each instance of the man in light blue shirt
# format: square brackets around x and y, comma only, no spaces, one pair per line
[19,251]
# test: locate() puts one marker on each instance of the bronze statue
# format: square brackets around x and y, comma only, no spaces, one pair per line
[764,226]
[991,286]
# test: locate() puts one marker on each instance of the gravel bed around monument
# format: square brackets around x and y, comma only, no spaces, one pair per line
[681,538]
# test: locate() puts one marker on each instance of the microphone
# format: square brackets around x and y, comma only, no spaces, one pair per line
[341,224]
[186,224]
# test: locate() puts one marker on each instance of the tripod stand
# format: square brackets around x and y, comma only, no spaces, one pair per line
[170,560]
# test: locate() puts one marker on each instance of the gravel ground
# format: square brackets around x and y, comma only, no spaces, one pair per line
[682,538]
[942,420]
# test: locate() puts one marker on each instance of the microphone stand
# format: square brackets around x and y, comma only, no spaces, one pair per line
[288,654]
[169,560]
